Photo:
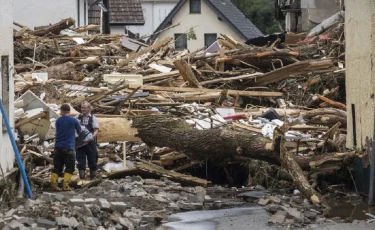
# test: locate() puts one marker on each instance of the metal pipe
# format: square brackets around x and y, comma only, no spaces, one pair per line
[21,184]
[15,149]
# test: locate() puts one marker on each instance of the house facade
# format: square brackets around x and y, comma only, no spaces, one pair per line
[122,14]
[303,15]
[208,19]
[6,81]
[32,13]
[154,12]
[360,71]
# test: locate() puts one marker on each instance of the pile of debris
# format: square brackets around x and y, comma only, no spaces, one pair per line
[163,111]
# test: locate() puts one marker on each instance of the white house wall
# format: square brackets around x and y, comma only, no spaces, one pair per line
[316,11]
[205,23]
[6,49]
[154,13]
[43,12]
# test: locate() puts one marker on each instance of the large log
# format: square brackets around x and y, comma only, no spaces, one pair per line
[116,129]
[219,144]
[55,28]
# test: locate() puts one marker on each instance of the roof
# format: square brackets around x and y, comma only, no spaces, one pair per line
[227,11]
[121,12]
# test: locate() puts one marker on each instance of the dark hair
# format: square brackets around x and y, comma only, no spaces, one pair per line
[65,108]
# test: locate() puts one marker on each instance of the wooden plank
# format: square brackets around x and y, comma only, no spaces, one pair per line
[293,69]
[27,120]
[187,73]
[308,127]
[155,47]
[169,158]
[153,171]
[161,76]
[247,127]
[246,76]
[202,90]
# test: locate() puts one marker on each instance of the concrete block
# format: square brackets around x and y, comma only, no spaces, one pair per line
[44,223]
[15,225]
[90,200]
[89,221]
[126,223]
[11,212]
[276,219]
[77,202]
[104,204]
[119,206]
[263,202]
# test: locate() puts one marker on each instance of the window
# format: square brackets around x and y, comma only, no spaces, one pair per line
[209,39]
[4,76]
[180,41]
[195,6]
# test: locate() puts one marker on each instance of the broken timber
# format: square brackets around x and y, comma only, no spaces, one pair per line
[149,170]
[202,90]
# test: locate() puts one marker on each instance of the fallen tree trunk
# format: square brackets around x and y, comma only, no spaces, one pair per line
[220,144]
[55,28]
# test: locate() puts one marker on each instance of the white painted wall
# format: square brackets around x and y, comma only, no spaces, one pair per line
[43,12]
[6,48]
[205,23]
[316,11]
[154,13]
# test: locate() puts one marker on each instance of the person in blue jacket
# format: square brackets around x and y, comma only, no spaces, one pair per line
[64,154]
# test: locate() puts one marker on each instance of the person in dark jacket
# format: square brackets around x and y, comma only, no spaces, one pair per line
[64,154]
[88,152]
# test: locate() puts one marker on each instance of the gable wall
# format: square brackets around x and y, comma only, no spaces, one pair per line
[206,22]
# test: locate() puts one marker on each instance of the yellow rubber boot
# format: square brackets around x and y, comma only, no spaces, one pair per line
[67,178]
[53,180]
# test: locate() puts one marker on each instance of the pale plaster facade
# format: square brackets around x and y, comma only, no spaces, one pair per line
[360,70]
[207,22]
[33,13]
[6,81]
[154,12]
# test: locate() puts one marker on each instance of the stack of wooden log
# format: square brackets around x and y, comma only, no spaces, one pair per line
[125,79]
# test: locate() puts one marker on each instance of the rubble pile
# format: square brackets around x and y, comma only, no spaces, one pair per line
[163,111]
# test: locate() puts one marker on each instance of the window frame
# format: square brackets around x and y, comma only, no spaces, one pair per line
[191,8]
[176,37]
[205,37]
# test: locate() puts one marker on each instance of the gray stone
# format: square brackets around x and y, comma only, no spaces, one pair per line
[26,221]
[89,221]
[197,205]
[148,226]
[185,206]
[104,204]
[99,190]
[130,214]
[274,199]
[81,226]
[207,198]
[126,223]
[259,187]
[141,194]
[90,200]
[263,202]
[134,192]
[77,202]
[195,199]
[320,220]
[310,215]
[294,213]
[29,204]
[62,221]
[160,198]
[276,219]
[73,222]
[38,228]
[135,221]
[10,213]
[70,228]
[15,225]
[110,185]
[173,206]
[119,206]
[136,178]
[86,211]
[147,218]
[44,223]
[100,228]
[173,196]
[115,194]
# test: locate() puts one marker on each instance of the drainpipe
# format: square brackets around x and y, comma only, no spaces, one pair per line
[78,13]
[15,149]
[106,24]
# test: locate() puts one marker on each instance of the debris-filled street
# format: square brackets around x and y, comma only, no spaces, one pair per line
[238,134]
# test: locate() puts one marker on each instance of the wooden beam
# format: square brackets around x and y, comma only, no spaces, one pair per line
[161,76]
[187,73]
[28,120]
[230,92]
[293,69]
[231,78]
